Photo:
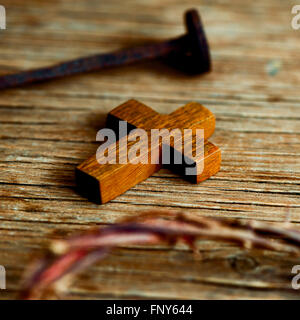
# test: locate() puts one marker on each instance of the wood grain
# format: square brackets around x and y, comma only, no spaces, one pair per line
[49,129]
[104,176]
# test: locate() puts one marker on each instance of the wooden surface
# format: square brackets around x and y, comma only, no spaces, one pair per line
[48,129]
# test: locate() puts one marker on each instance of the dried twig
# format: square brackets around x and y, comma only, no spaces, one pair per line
[65,258]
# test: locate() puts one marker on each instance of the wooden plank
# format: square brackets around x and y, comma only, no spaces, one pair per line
[48,129]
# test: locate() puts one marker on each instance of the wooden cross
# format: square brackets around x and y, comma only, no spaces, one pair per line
[103,182]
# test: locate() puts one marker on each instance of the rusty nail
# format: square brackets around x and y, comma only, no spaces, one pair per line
[190,53]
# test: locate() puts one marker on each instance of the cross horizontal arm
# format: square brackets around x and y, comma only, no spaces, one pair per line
[192,116]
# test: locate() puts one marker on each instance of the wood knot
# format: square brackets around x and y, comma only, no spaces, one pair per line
[242,263]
